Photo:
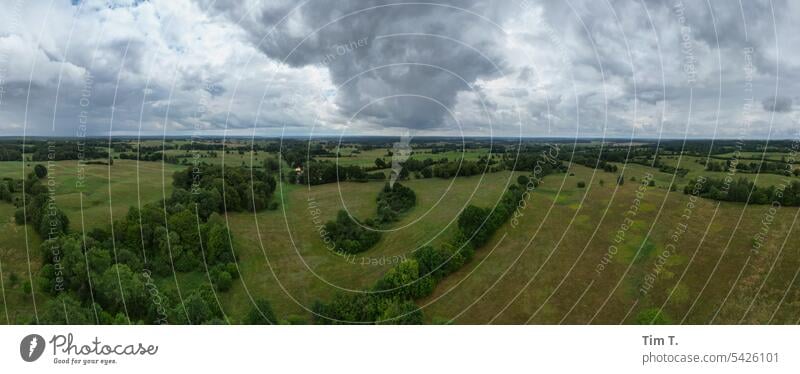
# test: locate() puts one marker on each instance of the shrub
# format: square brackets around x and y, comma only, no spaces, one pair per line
[349,235]
[222,280]
[581,184]
[40,171]
[393,201]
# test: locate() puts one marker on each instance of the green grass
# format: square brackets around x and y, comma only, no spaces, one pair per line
[283,257]
[562,236]
[99,191]
[14,253]
[471,295]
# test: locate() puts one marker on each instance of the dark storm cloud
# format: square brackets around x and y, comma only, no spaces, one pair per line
[401,80]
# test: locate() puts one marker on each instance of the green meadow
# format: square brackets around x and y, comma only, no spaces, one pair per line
[695,258]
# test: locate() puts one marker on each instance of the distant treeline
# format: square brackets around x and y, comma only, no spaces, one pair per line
[768,167]
[55,151]
[744,191]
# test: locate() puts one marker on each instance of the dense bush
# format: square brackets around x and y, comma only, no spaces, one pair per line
[40,210]
[260,314]
[232,189]
[350,235]
[393,201]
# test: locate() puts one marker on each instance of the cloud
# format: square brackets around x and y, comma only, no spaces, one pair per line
[544,68]
[399,64]
[780,104]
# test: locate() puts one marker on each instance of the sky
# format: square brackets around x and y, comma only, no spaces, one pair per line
[590,68]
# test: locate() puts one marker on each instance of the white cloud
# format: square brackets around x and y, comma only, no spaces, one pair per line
[590,69]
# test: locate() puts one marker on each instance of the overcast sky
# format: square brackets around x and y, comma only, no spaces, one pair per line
[720,68]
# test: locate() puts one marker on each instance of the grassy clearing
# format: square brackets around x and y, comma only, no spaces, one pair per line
[108,191]
[295,268]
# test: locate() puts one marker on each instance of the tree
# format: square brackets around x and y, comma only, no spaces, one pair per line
[473,224]
[197,309]
[271,164]
[260,314]
[652,316]
[5,192]
[65,310]
[431,261]
[403,281]
[119,289]
[349,235]
[40,171]
[222,280]
[523,180]
[218,247]
[581,184]
[400,313]
[207,202]
[53,223]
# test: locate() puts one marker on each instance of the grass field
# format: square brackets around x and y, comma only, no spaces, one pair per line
[103,192]
[282,255]
[697,169]
[544,270]
[15,250]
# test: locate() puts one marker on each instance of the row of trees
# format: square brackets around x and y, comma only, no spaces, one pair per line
[150,156]
[780,168]
[63,150]
[745,191]
[322,172]
[10,152]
